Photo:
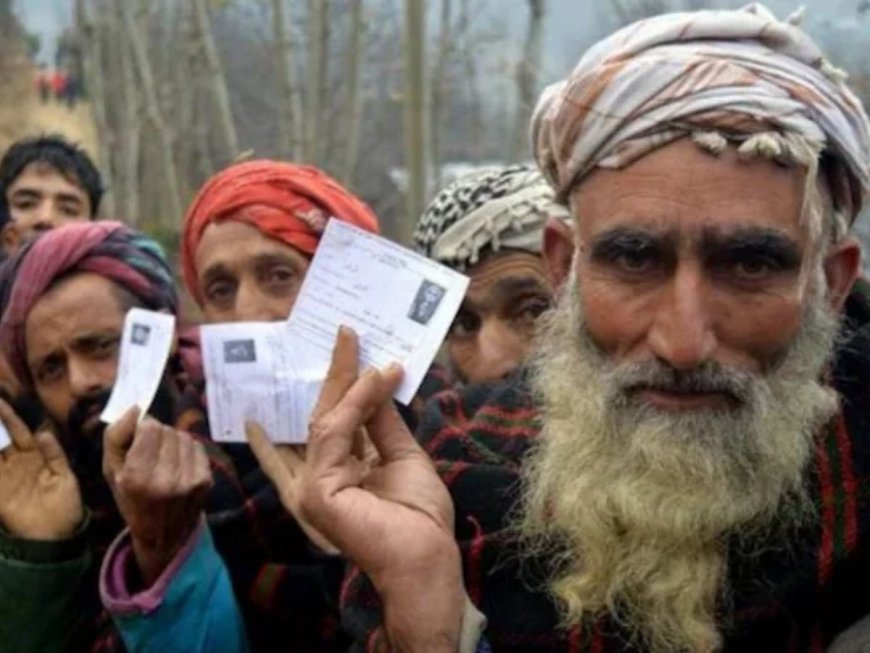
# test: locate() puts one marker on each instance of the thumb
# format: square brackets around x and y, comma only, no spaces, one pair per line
[53,454]
[117,439]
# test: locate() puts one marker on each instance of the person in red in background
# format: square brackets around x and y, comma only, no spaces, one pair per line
[58,85]
[42,83]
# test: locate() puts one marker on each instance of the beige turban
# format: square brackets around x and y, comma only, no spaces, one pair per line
[737,73]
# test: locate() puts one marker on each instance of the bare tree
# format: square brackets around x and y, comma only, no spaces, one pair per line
[91,43]
[354,96]
[289,101]
[153,113]
[128,155]
[469,60]
[416,118]
[217,80]
[439,90]
[318,37]
[527,79]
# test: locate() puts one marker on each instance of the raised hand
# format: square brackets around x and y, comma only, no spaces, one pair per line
[284,464]
[160,478]
[394,520]
[39,494]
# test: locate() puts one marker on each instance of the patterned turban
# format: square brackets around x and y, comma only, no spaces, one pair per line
[487,211]
[288,202]
[130,259]
[738,73]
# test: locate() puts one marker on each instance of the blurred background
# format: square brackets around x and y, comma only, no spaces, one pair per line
[395,98]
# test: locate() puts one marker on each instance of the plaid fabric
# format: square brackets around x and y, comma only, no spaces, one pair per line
[288,591]
[782,601]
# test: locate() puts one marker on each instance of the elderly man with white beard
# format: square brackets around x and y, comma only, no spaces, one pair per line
[683,466]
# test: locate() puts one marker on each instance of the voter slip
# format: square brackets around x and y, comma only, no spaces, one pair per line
[400,305]
[145,345]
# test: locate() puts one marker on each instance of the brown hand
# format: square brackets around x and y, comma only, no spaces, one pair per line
[284,465]
[394,520]
[160,478]
[39,494]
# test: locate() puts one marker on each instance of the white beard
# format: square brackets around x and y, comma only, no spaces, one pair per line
[633,505]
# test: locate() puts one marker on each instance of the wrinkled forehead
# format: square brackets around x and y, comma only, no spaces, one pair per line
[234,244]
[504,275]
[76,304]
[681,188]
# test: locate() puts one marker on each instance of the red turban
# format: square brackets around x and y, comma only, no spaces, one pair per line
[288,202]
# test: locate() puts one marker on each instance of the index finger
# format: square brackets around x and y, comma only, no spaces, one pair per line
[21,436]
[343,372]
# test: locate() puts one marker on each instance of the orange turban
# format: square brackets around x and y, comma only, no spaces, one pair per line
[288,202]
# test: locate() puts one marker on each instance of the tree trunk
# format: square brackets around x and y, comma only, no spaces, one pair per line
[183,90]
[217,80]
[416,118]
[290,134]
[354,94]
[469,60]
[152,110]
[91,37]
[318,13]
[439,90]
[527,81]
[130,127]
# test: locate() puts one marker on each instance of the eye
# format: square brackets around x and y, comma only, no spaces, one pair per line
[50,370]
[754,268]
[280,274]
[635,261]
[220,291]
[24,204]
[71,211]
[465,324]
[105,347]
[532,308]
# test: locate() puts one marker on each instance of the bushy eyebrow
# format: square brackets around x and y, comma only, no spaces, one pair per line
[717,245]
[619,240]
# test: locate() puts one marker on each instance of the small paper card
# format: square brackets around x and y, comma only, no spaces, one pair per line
[145,346]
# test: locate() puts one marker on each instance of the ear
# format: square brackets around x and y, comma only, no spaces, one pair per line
[11,238]
[558,251]
[842,266]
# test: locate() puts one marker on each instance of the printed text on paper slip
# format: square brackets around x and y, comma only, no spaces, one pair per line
[399,303]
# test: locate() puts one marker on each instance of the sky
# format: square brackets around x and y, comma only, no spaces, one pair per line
[571,25]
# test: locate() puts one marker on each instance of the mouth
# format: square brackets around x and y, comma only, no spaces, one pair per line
[92,420]
[678,401]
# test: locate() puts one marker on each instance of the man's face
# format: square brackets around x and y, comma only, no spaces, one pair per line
[688,258]
[492,333]
[73,335]
[42,198]
[681,385]
[244,275]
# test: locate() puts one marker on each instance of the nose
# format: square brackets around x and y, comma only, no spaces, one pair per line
[682,333]
[46,213]
[86,378]
[254,305]
[501,350]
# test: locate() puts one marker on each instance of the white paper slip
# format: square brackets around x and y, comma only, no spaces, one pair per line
[399,303]
[145,346]
[5,440]
[254,372]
